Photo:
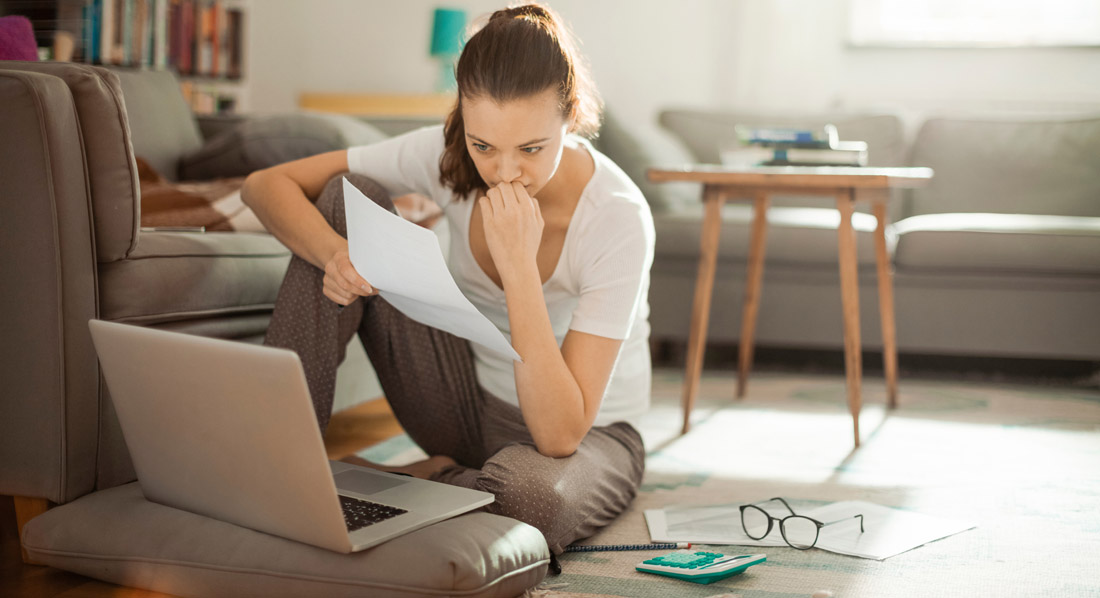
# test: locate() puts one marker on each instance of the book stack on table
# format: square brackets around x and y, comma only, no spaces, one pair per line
[781,146]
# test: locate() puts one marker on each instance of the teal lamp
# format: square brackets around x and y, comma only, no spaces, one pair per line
[448,28]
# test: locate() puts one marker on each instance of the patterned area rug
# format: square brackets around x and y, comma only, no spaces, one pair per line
[1021,462]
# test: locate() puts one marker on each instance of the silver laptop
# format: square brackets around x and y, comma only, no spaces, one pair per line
[227,430]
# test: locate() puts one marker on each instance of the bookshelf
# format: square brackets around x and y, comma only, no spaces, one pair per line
[203,41]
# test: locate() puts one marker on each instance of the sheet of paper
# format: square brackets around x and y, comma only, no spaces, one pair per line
[403,261]
[887,531]
[703,524]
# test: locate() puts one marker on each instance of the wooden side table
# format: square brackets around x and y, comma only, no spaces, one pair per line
[846,185]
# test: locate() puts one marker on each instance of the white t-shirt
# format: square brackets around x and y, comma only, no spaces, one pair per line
[600,285]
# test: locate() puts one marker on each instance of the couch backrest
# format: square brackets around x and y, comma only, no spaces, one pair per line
[1011,166]
[162,126]
[112,172]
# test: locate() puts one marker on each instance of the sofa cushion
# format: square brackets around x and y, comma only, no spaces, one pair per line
[625,146]
[112,173]
[1019,166]
[180,276]
[794,235]
[261,142]
[1020,243]
[161,124]
[117,536]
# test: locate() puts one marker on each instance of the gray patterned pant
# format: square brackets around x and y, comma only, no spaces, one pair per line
[428,378]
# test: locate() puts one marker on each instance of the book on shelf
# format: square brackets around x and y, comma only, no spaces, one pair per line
[202,40]
[160,34]
[235,49]
[195,37]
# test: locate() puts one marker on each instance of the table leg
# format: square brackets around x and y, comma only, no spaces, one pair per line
[886,305]
[700,310]
[752,290]
[849,294]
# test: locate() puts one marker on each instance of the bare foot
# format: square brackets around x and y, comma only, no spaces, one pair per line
[420,469]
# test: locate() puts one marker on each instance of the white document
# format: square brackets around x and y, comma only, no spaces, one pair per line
[703,524]
[404,263]
[887,531]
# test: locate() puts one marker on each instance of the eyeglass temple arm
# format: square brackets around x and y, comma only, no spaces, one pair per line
[780,500]
[861,530]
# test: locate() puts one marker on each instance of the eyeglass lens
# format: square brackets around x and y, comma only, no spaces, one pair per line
[756,522]
[799,531]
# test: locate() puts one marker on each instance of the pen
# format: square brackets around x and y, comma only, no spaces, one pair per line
[603,547]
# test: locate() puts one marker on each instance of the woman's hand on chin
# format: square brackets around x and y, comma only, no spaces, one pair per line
[513,227]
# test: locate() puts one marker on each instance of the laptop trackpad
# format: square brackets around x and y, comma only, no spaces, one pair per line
[363,482]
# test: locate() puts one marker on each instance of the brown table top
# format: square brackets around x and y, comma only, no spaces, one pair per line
[794,176]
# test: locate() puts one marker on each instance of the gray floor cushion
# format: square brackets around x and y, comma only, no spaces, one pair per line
[117,536]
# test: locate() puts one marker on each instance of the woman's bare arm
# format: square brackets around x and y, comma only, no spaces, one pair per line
[282,198]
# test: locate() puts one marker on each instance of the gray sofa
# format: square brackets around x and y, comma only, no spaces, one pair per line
[72,251]
[998,257]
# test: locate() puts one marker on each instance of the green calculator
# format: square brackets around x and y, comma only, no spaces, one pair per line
[698,566]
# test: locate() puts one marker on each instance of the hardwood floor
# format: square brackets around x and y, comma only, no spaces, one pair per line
[349,431]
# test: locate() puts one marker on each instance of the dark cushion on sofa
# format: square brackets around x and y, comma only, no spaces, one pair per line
[179,276]
[118,536]
[999,243]
[261,142]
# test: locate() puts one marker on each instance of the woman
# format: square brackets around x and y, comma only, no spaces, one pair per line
[549,239]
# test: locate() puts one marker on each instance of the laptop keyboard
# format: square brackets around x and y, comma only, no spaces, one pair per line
[361,513]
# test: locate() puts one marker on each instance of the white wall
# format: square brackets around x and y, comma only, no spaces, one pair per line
[792,55]
[647,54]
[640,57]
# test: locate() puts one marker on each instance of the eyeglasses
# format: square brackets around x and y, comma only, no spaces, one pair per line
[798,531]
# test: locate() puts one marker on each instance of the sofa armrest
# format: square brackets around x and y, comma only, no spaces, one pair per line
[48,431]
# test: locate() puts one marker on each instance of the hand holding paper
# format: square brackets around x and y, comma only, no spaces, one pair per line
[404,263]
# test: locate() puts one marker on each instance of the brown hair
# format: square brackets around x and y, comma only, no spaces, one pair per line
[520,52]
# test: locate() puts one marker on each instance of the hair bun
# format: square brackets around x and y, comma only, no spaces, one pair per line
[525,10]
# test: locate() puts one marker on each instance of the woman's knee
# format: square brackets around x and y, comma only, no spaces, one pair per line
[525,485]
[331,201]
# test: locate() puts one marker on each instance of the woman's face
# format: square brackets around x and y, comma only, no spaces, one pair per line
[519,140]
